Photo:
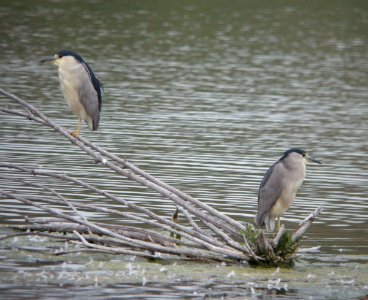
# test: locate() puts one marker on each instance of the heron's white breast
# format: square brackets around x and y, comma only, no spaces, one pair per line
[71,75]
[293,178]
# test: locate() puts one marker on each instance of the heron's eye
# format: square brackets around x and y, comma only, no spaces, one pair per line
[303,154]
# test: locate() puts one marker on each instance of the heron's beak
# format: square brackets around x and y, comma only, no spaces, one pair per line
[310,159]
[48,60]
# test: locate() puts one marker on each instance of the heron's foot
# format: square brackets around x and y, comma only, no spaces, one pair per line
[75,134]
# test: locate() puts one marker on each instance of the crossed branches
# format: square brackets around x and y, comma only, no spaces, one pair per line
[214,236]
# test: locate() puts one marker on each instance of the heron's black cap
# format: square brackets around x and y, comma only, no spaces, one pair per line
[70,53]
[297,150]
[301,152]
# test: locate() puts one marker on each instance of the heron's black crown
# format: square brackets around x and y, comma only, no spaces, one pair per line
[297,150]
[63,53]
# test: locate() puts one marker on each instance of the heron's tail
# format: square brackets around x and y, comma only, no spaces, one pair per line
[96,121]
[258,219]
[93,122]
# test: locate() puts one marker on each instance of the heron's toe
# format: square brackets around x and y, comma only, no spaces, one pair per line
[75,133]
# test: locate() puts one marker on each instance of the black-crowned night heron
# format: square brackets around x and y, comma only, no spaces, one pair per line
[280,185]
[80,87]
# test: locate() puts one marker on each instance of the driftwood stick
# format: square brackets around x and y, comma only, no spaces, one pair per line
[130,175]
[28,115]
[91,250]
[114,250]
[150,236]
[127,231]
[278,236]
[66,228]
[231,253]
[227,239]
[52,191]
[190,234]
[306,223]
[48,173]
[192,222]
[264,246]
[68,217]
[252,254]
[23,227]
[222,242]
[162,184]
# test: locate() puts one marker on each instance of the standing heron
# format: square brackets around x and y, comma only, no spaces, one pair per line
[80,87]
[280,185]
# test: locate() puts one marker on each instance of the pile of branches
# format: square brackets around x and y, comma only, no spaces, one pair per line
[203,232]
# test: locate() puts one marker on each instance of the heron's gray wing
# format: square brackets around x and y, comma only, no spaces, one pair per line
[89,98]
[96,84]
[269,191]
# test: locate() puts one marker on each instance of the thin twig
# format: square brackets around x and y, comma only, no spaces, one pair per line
[192,222]
[230,242]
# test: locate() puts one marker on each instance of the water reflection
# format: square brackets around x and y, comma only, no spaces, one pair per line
[205,97]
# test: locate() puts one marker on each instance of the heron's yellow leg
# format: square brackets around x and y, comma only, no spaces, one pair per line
[76,133]
[278,223]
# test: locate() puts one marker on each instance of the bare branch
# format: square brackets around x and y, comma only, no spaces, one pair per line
[234,254]
[225,239]
[306,223]
[143,178]
[279,234]
[185,232]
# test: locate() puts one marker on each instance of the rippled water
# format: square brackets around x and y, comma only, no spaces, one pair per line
[204,96]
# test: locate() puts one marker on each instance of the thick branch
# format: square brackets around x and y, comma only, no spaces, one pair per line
[151,183]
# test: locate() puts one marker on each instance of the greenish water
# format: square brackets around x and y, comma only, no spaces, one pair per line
[205,95]
[94,276]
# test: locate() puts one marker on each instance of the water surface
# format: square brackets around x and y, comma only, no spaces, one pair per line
[205,96]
